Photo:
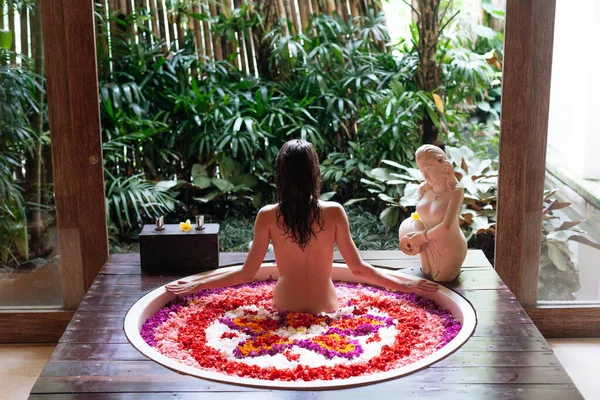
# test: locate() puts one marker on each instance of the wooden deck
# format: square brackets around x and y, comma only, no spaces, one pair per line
[507,357]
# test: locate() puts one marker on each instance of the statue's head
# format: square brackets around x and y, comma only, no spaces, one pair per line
[435,166]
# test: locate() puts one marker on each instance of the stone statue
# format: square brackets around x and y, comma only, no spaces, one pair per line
[433,231]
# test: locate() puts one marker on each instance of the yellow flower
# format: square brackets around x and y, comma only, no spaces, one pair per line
[185,226]
[415,216]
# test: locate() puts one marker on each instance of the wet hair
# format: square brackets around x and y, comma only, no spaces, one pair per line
[298,182]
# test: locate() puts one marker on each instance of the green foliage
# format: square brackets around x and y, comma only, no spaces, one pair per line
[129,198]
[367,233]
[17,139]
[559,275]
[5,39]
[236,233]
[213,133]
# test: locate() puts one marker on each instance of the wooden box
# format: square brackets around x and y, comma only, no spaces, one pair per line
[173,252]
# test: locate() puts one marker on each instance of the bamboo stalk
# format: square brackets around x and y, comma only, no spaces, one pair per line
[228,47]
[102,34]
[24,34]
[2,59]
[288,12]
[35,167]
[154,25]
[123,6]
[11,27]
[242,42]
[338,8]
[180,22]
[147,24]
[162,24]
[218,51]
[144,4]
[170,27]
[365,7]
[191,26]
[206,31]
[113,6]
[330,6]
[323,6]
[134,27]
[295,16]
[250,46]
[376,7]
[249,41]
[344,10]
[314,7]
[354,9]
[282,15]
[196,26]
[304,13]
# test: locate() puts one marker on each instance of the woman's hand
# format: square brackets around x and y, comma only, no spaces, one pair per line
[421,286]
[183,287]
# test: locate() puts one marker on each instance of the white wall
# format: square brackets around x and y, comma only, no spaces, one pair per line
[574,122]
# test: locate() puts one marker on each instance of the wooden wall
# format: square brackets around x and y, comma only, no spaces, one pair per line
[525,105]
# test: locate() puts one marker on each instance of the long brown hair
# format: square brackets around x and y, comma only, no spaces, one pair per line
[298,182]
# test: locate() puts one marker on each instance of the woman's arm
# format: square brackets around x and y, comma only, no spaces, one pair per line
[366,271]
[237,275]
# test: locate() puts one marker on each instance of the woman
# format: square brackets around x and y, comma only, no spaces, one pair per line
[304,231]
[442,245]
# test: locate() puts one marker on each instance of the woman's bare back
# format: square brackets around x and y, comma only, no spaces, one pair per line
[304,282]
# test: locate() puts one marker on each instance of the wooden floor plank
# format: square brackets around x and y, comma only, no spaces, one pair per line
[147,376]
[432,391]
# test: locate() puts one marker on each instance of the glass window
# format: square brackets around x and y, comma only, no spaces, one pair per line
[29,261]
[571,229]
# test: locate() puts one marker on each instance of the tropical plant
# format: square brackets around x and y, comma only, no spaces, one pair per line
[559,275]
[17,140]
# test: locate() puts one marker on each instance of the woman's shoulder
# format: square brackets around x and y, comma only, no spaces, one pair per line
[332,211]
[328,206]
[268,210]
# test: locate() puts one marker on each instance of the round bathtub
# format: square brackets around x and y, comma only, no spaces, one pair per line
[149,304]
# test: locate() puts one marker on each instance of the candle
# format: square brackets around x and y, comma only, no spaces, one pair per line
[160,223]
[199,222]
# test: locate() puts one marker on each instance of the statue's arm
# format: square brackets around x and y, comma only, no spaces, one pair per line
[450,216]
